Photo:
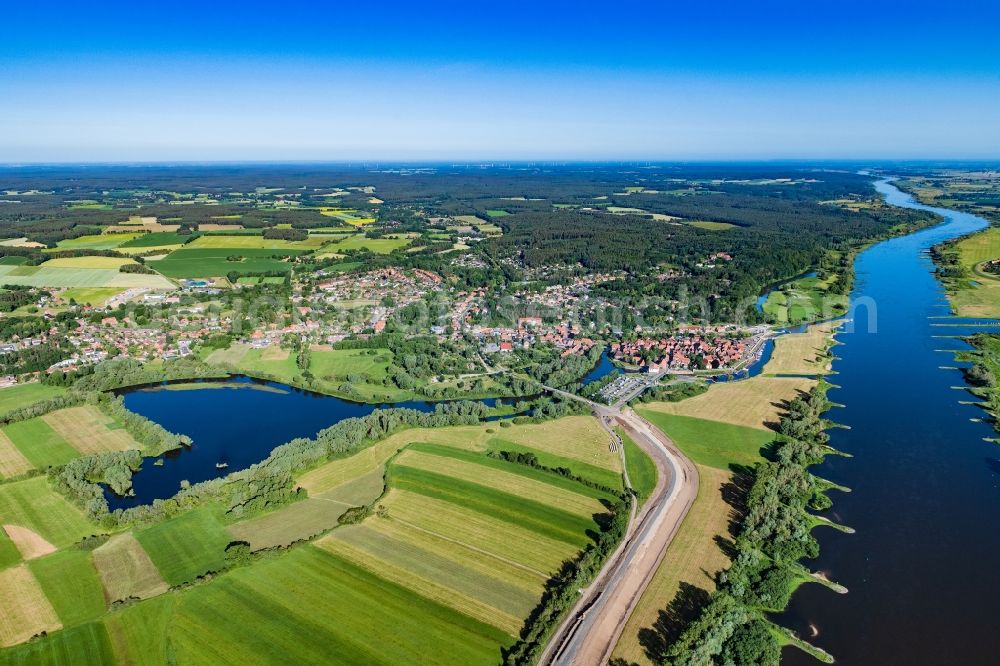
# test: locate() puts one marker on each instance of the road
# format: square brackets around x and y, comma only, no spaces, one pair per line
[589,633]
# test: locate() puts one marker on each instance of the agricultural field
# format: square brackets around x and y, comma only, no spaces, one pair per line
[156,239]
[576,442]
[187,546]
[24,610]
[189,262]
[57,437]
[95,242]
[126,570]
[71,584]
[80,272]
[34,505]
[350,216]
[476,534]
[254,242]
[375,245]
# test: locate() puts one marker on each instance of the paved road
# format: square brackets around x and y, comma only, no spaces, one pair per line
[590,632]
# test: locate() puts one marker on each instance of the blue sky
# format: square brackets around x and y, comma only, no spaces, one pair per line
[294,80]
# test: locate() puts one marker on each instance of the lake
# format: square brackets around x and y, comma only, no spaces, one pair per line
[921,568]
[237,425]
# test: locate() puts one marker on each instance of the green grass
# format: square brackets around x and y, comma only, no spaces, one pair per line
[641,469]
[141,631]
[497,213]
[712,443]
[71,584]
[601,475]
[13,260]
[40,444]
[77,646]
[23,395]
[342,362]
[96,296]
[313,607]
[33,504]
[186,546]
[212,262]
[156,239]
[9,554]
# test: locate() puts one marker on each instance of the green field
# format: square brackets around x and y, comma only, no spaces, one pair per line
[156,239]
[187,546]
[85,644]
[71,584]
[253,280]
[710,442]
[189,262]
[459,556]
[342,362]
[22,395]
[95,242]
[39,443]
[55,275]
[251,241]
[376,245]
[641,469]
[95,296]
[33,504]
[497,213]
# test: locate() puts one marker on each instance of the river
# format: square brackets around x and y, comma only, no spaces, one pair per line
[921,568]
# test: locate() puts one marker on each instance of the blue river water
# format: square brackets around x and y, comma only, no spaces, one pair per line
[921,568]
